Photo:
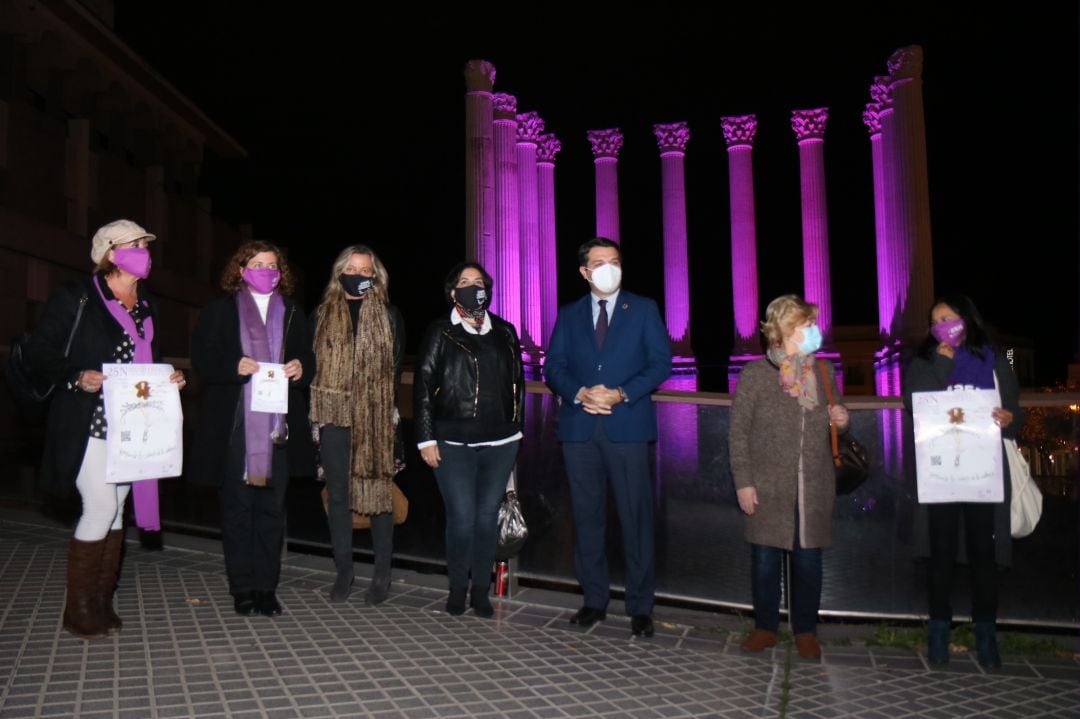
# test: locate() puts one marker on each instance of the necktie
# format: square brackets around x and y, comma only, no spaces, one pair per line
[601,325]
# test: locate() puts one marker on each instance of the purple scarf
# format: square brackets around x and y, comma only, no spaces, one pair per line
[970,369]
[147,513]
[263,343]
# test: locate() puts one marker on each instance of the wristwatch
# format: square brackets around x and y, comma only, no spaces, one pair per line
[622,394]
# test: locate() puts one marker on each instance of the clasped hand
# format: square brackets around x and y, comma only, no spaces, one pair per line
[598,399]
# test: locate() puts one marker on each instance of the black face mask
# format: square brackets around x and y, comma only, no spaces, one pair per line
[356,285]
[471,298]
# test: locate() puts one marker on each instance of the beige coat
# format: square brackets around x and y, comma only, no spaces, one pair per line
[769,433]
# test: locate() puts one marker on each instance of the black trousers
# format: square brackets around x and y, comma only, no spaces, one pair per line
[944,532]
[253,521]
[336,452]
[590,466]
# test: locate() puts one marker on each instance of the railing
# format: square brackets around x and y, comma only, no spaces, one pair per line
[872,570]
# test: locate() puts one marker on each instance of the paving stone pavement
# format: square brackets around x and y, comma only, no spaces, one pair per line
[184,653]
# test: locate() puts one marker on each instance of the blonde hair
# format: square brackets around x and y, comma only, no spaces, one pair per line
[783,315]
[380,291]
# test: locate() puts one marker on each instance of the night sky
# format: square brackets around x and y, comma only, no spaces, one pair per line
[355,127]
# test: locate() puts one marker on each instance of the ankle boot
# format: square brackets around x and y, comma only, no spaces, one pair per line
[82,611]
[937,644]
[109,577]
[455,603]
[480,602]
[342,586]
[986,650]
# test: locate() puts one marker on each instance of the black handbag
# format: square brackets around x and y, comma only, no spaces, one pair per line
[21,380]
[851,459]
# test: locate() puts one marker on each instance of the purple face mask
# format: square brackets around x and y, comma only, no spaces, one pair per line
[133,260]
[262,281]
[951,332]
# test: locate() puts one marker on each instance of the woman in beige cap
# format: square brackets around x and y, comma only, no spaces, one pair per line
[106,318]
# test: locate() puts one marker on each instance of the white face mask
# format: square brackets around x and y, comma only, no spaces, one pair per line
[606,278]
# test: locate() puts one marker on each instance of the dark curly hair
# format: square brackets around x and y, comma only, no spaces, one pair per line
[232,281]
[455,274]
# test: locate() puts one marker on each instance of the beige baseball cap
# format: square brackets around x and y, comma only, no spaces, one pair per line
[115,233]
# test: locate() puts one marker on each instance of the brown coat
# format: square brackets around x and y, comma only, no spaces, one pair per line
[767,428]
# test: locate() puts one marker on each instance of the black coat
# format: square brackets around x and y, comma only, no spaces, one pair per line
[215,355]
[931,374]
[445,382]
[93,345]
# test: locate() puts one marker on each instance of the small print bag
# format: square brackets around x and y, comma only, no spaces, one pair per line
[851,459]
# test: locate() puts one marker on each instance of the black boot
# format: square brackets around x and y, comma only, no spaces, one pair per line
[455,603]
[382,542]
[480,602]
[986,650]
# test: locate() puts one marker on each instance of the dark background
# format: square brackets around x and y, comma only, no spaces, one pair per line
[354,122]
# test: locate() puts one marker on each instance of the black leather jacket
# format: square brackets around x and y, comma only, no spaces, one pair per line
[445,384]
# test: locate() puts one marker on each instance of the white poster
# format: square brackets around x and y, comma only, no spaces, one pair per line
[145,437]
[270,389]
[957,446]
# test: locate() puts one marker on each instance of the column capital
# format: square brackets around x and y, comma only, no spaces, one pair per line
[809,124]
[906,63]
[606,143]
[739,130]
[548,148]
[881,91]
[530,127]
[479,76]
[871,117]
[504,106]
[672,136]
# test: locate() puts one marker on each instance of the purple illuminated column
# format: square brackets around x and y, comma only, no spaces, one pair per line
[479,159]
[549,286]
[530,127]
[605,149]
[872,119]
[739,134]
[897,249]
[809,127]
[671,139]
[913,210]
[504,263]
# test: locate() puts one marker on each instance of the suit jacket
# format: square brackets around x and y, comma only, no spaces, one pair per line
[636,356]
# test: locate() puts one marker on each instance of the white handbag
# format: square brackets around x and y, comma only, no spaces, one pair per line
[1027,501]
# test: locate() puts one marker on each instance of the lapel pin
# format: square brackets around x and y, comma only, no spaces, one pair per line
[625,306]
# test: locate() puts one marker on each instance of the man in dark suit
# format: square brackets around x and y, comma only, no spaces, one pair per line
[609,351]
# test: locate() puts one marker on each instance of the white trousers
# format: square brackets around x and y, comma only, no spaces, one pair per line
[102,503]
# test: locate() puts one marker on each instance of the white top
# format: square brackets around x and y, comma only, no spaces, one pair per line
[263,303]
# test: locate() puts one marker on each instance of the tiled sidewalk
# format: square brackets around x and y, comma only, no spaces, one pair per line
[184,653]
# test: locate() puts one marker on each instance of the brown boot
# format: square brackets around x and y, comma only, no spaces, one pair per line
[759,640]
[107,579]
[808,646]
[82,613]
